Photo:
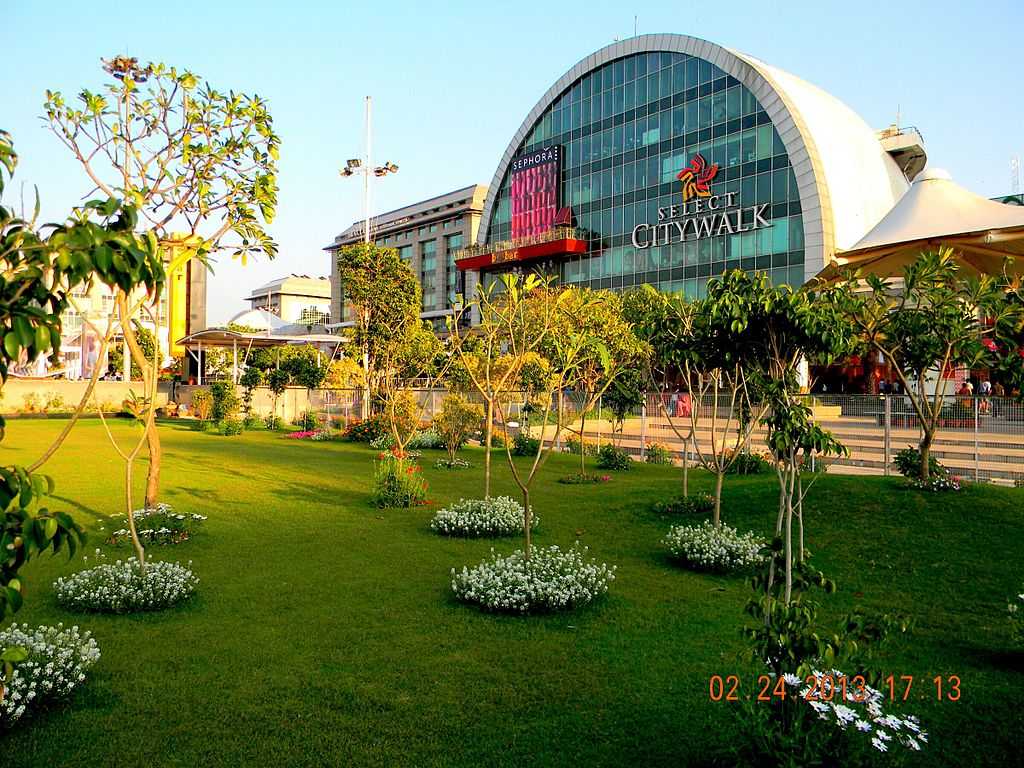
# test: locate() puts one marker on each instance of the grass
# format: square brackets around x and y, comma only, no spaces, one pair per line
[324,631]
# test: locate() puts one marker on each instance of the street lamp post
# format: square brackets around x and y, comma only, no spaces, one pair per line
[352,168]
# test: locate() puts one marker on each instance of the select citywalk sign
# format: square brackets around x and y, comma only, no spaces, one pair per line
[702,213]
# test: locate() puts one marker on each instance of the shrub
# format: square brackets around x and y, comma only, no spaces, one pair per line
[232,426]
[384,442]
[822,719]
[252,421]
[317,435]
[457,420]
[524,445]
[572,445]
[695,504]
[497,516]
[366,430]
[707,548]
[31,403]
[273,422]
[657,453]
[1016,613]
[747,463]
[156,525]
[202,403]
[54,402]
[584,478]
[610,457]
[57,660]
[425,439]
[397,482]
[308,421]
[225,401]
[908,462]
[123,587]
[551,580]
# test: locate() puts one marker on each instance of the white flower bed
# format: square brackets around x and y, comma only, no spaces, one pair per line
[551,580]
[498,516]
[707,548]
[58,659]
[122,587]
[860,711]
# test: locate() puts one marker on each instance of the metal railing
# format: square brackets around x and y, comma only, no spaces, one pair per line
[555,233]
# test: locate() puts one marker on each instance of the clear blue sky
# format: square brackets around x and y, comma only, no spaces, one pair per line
[452,81]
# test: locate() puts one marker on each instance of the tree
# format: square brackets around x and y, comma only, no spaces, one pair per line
[777,327]
[277,383]
[457,420]
[607,349]
[385,299]
[661,320]
[490,361]
[251,378]
[938,321]
[306,366]
[198,165]
[40,268]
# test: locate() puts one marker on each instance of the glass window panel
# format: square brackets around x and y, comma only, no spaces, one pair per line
[734,103]
[780,235]
[796,233]
[718,111]
[764,141]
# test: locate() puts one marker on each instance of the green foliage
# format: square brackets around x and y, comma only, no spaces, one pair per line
[695,504]
[231,426]
[213,152]
[306,366]
[610,457]
[657,453]
[250,379]
[225,401]
[308,421]
[572,445]
[747,463]
[625,395]
[202,404]
[583,478]
[397,482]
[524,445]
[457,420]
[29,529]
[366,430]
[908,463]
[148,343]
[278,380]
[98,244]
[273,422]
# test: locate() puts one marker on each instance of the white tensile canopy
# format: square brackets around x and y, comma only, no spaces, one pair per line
[937,212]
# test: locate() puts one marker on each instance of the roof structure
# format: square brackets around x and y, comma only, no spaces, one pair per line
[935,212]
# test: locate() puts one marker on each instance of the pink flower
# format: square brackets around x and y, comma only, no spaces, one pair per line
[989,344]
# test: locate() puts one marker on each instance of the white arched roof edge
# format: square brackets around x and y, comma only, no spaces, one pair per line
[815,201]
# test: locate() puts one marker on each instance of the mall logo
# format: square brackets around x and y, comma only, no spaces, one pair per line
[702,214]
[697,178]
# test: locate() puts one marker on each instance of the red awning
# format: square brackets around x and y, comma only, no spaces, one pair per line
[563,247]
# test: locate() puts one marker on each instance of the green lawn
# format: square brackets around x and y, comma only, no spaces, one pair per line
[324,631]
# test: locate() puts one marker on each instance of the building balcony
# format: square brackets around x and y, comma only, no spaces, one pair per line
[558,241]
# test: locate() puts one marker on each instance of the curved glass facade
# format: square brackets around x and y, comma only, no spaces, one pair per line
[626,130]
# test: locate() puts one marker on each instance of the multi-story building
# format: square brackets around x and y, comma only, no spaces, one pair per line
[181,310]
[665,159]
[296,299]
[427,236]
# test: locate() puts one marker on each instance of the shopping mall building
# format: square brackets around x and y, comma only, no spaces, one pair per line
[666,159]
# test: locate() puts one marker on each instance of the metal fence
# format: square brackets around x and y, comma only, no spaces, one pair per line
[979,438]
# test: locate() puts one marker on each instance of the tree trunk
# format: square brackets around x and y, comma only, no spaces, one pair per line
[717,519]
[488,440]
[527,522]
[686,467]
[140,552]
[926,452]
[583,452]
[156,453]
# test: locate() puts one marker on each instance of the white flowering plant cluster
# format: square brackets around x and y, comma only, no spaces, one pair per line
[825,718]
[552,579]
[452,464]
[704,547]
[124,587]
[156,525]
[497,516]
[935,483]
[56,662]
[1016,612]
[421,439]
[857,710]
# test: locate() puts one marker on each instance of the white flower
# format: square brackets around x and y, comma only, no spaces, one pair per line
[497,516]
[711,548]
[792,679]
[124,588]
[863,726]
